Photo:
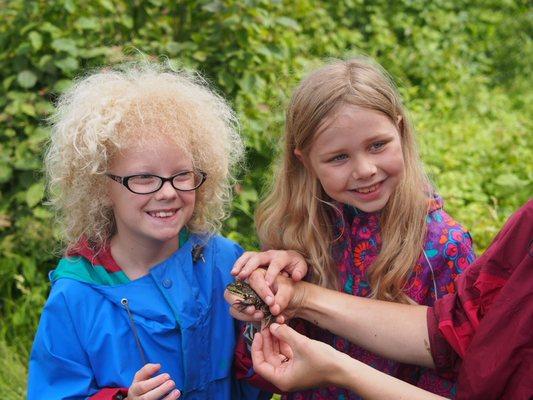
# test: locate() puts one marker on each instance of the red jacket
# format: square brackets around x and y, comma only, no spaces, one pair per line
[483,333]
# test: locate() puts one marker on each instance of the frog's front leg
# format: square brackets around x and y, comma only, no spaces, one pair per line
[241,305]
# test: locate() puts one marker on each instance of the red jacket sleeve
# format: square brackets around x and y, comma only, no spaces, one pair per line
[483,331]
[110,394]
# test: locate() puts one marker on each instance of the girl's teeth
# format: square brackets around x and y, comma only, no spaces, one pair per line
[367,190]
[162,214]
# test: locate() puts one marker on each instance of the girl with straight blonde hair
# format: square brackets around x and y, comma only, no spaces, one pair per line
[351,196]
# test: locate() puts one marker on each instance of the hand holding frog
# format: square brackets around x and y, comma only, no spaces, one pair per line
[283,298]
[286,262]
[277,262]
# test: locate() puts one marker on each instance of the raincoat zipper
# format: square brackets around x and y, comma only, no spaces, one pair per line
[125,304]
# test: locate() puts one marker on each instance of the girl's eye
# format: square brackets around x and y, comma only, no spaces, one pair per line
[184,176]
[339,157]
[377,146]
[143,179]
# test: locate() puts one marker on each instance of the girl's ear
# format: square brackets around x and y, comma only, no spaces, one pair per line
[299,156]
[304,160]
[399,123]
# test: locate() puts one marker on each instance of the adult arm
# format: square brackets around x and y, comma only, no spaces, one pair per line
[392,330]
[293,361]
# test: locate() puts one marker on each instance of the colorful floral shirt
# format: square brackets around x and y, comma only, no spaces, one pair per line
[447,251]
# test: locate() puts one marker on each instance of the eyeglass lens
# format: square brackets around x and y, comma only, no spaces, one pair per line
[149,183]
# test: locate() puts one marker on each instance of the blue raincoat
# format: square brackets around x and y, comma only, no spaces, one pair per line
[97,331]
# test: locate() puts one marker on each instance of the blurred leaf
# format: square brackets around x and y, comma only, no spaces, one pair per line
[65,45]
[35,194]
[288,23]
[510,180]
[88,23]
[67,64]
[26,79]
[36,40]
[108,5]
[62,85]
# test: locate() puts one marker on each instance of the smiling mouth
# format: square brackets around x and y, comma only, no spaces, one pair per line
[162,214]
[368,189]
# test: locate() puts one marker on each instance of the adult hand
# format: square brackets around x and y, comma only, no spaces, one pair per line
[287,295]
[292,361]
[146,387]
[289,262]
[284,297]
[248,314]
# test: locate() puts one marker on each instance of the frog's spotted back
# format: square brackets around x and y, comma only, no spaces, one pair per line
[249,298]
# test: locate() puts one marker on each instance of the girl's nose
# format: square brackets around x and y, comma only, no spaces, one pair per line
[364,169]
[167,191]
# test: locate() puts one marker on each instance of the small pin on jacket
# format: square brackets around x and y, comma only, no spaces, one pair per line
[198,253]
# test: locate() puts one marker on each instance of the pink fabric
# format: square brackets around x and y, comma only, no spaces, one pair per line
[110,394]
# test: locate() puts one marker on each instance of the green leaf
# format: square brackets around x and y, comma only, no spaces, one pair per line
[6,172]
[10,132]
[288,23]
[36,40]
[127,21]
[6,83]
[108,5]
[65,45]
[39,135]
[86,23]
[26,79]
[42,213]
[35,194]
[67,64]
[28,109]
[70,6]
[173,48]
[50,28]
[45,62]
[509,180]
[214,7]
[200,56]
[94,52]
[44,108]
[62,85]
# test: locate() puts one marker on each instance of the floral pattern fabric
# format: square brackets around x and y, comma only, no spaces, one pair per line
[447,252]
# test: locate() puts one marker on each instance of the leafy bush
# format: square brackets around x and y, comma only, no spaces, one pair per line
[462,67]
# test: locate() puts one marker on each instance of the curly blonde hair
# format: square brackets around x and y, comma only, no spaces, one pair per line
[114,108]
[297,213]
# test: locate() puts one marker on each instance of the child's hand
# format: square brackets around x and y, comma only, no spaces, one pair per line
[289,262]
[147,388]
[287,300]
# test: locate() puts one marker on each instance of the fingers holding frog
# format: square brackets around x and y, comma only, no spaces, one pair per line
[276,262]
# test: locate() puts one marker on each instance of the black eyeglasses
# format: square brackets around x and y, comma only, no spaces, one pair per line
[145,184]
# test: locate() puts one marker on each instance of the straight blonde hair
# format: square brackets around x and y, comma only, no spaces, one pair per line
[296,212]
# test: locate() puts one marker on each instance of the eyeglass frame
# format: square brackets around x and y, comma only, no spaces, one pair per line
[123,180]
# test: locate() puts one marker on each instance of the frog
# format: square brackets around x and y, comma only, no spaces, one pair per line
[250,298]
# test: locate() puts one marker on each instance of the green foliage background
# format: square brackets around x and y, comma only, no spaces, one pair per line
[462,67]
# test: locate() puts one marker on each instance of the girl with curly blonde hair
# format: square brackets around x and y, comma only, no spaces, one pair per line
[140,171]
